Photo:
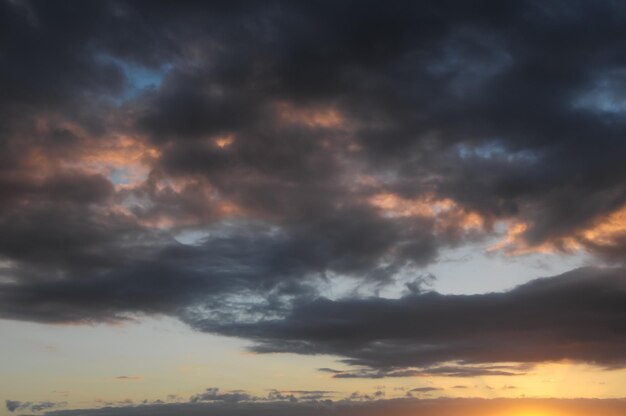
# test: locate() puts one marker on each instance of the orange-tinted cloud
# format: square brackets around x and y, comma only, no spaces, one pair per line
[446,213]
[324,117]
[606,235]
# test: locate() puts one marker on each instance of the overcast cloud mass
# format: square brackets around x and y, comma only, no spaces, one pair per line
[226,163]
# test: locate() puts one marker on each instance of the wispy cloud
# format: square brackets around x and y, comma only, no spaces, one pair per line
[129,378]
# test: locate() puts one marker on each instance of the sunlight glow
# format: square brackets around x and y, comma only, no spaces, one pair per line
[534,412]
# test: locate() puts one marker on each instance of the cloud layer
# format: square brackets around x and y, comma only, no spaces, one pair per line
[225,163]
[576,316]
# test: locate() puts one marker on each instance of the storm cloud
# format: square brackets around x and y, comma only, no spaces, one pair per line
[576,316]
[224,163]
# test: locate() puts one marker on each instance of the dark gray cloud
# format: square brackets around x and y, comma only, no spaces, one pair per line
[212,394]
[575,316]
[424,389]
[300,395]
[462,102]
[444,94]
[444,371]
[16,405]
[298,142]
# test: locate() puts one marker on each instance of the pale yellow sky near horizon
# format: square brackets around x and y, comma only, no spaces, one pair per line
[92,365]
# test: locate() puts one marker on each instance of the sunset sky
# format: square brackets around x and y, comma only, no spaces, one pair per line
[293,208]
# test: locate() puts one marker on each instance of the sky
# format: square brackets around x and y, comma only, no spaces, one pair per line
[296,208]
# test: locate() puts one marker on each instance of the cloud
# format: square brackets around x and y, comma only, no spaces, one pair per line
[424,389]
[299,143]
[574,316]
[12,405]
[213,394]
[15,405]
[300,395]
[444,371]
[459,59]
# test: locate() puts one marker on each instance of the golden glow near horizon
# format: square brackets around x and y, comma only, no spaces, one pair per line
[533,411]
[148,362]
